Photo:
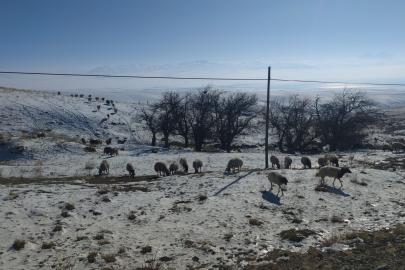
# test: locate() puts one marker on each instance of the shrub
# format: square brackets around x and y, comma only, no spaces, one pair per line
[146,249]
[69,206]
[108,258]
[57,228]
[92,256]
[255,221]
[47,245]
[19,244]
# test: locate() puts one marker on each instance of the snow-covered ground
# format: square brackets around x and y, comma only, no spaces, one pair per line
[171,216]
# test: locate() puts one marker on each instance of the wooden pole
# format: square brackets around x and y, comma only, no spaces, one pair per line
[267,120]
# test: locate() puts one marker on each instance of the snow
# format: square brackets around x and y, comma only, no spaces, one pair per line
[170,217]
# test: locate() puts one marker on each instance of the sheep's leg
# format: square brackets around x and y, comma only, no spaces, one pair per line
[334,182]
[282,193]
[271,188]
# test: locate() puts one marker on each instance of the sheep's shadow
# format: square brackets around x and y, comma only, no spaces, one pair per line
[94,111]
[271,198]
[337,191]
[230,184]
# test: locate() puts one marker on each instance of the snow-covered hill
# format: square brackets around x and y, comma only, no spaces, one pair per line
[171,214]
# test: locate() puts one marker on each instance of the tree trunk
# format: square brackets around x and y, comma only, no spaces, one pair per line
[154,139]
[185,141]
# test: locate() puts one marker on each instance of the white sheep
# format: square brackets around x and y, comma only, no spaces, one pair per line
[197,165]
[131,169]
[334,172]
[278,179]
[334,160]
[387,147]
[210,147]
[234,163]
[114,151]
[174,167]
[306,162]
[104,166]
[161,167]
[274,161]
[183,162]
[287,162]
[396,146]
[323,161]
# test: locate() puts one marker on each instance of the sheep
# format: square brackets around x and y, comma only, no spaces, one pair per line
[97,98]
[84,141]
[76,95]
[174,167]
[98,107]
[59,93]
[89,96]
[239,150]
[334,172]
[108,141]
[104,166]
[274,161]
[71,95]
[334,160]
[114,151]
[183,162]
[306,162]
[323,161]
[113,105]
[102,99]
[386,147]
[108,115]
[81,95]
[107,150]
[131,169]
[210,147]
[278,179]
[96,141]
[369,146]
[121,141]
[197,164]
[89,99]
[396,146]
[272,148]
[234,163]
[287,162]
[115,110]
[161,167]
[108,102]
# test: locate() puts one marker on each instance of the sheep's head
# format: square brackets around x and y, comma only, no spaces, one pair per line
[343,171]
[284,180]
[228,169]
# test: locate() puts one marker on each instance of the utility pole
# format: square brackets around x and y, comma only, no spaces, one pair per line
[266,149]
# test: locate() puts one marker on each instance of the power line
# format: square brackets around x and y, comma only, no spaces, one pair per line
[187,78]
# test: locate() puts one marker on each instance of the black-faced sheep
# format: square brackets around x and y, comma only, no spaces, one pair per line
[334,172]
[183,162]
[276,178]
[161,167]
[334,160]
[96,141]
[210,147]
[306,162]
[197,165]
[274,161]
[287,162]
[234,163]
[84,141]
[174,167]
[107,150]
[104,166]
[396,146]
[387,147]
[131,169]
[323,161]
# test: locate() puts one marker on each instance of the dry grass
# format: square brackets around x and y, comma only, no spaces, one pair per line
[255,222]
[146,249]
[228,236]
[90,165]
[103,191]
[106,231]
[19,244]
[91,257]
[108,258]
[57,228]
[69,206]
[321,188]
[121,250]
[296,220]
[64,214]
[296,235]
[203,197]
[47,245]
[80,238]
[13,195]
[103,242]
[106,199]
[334,238]
[99,236]
[131,215]
[336,219]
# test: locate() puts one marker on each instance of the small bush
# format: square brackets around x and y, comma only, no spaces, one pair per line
[103,242]
[19,244]
[57,228]
[334,238]
[321,188]
[90,165]
[228,236]
[80,238]
[106,199]
[336,219]
[91,257]
[255,222]
[99,236]
[131,215]
[203,197]
[296,235]
[106,231]
[47,245]
[121,250]
[297,220]
[108,258]
[69,206]
[103,191]
[64,214]
[13,195]
[146,249]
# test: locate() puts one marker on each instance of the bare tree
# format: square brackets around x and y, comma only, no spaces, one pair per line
[201,114]
[181,113]
[293,122]
[148,115]
[234,116]
[343,120]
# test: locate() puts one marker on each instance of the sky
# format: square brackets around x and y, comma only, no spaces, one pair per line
[354,41]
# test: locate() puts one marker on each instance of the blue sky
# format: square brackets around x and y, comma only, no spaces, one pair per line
[315,40]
